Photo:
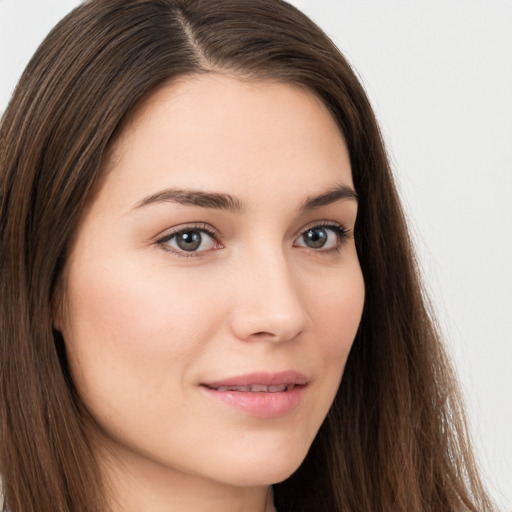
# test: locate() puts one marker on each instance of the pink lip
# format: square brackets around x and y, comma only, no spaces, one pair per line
[263,378]
[260,403]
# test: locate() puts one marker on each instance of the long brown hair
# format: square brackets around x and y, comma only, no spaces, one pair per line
[395,438]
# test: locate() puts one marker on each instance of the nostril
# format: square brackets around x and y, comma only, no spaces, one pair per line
[272,337]
[280,316]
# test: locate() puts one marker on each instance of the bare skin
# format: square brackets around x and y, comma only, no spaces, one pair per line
[167,291]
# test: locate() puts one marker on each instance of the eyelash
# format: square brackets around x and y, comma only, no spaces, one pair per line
[201,228]
[341,232]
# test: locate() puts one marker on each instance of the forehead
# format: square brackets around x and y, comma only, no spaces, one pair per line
[215,130]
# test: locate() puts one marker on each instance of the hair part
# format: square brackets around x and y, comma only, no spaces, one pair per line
[395,438]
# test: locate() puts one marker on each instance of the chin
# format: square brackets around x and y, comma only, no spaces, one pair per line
[263,469]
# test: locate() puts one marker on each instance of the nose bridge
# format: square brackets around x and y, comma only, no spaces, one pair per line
[269,302]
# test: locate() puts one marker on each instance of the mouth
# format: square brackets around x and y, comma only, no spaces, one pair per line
[260,382]
[254,388]
[260,394]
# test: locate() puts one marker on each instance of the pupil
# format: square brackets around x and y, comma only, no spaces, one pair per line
[315,238]
[189,240]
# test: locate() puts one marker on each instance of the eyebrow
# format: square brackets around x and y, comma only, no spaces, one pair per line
[214,200]
[222,201]
[338,193]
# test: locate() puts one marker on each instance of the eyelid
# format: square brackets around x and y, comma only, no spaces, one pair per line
[342,234]
[340,227]
[162,239]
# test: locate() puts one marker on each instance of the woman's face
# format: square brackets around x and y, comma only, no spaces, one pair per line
[213,290]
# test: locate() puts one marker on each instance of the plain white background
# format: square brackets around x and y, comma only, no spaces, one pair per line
[439,74]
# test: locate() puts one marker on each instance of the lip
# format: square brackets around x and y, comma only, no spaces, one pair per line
[263,378]
[265,404]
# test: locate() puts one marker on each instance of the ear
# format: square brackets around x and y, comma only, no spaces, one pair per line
[58,306]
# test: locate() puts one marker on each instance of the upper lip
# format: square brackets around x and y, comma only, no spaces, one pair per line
[261,378]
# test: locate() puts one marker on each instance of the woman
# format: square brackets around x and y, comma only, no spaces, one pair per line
[200,239]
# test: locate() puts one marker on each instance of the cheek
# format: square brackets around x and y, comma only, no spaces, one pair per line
[127,328]
[337,312]
[127,301]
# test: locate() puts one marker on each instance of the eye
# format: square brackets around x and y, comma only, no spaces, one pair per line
[190,240]
[323,237]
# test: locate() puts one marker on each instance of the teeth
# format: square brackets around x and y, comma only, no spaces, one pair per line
[276,389]
[258,388]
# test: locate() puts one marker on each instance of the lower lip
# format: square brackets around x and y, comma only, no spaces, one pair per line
[266,405]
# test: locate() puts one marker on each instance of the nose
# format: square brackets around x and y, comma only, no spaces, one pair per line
[269,303]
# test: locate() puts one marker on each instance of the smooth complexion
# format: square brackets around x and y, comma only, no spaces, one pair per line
[217,253]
